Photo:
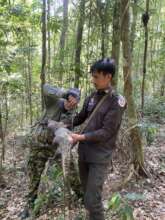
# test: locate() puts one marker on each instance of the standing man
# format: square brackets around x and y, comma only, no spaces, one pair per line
[59,106]
[98,138]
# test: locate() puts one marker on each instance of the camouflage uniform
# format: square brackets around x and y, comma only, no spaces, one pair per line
[40,152]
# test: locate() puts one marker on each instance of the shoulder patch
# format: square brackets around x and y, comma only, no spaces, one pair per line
[121,101]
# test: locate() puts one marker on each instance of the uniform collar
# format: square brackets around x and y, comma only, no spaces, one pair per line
[104,91]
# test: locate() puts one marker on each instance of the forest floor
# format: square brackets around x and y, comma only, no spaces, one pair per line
[149,206]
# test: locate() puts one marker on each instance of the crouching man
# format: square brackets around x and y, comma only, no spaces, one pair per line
[59,106]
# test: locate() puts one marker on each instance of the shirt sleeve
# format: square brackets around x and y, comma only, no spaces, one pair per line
[52,94]
[82,115]
[111,124]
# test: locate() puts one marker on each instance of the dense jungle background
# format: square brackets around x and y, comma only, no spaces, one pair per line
[56,41]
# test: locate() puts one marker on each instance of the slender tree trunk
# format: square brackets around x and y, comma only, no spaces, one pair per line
[2,137]
[49,43]
[145,19]
[2,151]
[136,138]
[103,9]
[25,86]
[79,42]
[22,111]
[63,37]
[43,68]
[30,84]
[6,110]
[116,39]
[88,49]
[162,88]
[103,39]
[133,35]
[133,25]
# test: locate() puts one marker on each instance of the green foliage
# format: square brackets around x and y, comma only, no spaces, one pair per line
[121,207]
[120,204]
[55,173]
[54,192]
[154,107]
[126,213]
[154,114]
[54,24]
[134,196]
[115,201]
[149,130]
[61,217]
[39,203]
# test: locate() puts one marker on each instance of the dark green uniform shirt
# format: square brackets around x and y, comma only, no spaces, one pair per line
[54,109]
[101,132]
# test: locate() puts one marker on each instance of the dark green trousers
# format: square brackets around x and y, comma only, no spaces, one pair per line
[92,177]
[36,164]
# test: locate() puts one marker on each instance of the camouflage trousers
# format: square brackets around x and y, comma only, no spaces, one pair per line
[38,157]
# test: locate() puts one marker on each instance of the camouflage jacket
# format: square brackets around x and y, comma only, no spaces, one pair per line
[54,98]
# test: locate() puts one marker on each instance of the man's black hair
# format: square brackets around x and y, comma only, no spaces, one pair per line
[106,65]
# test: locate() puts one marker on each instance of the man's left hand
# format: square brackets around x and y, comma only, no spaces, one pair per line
[77,137]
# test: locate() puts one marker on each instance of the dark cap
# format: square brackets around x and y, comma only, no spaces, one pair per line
[75,93]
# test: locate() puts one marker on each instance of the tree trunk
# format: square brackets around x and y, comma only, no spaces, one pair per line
[6,110]
[49,46]
[162,88]
[2,151]
[136,138]
[30,83]
[79,42]
[116,39]
[103,10]
[133,25]
[2,137]
[63,37]
[86,83]
[25,86]
[145,23]
[43,68]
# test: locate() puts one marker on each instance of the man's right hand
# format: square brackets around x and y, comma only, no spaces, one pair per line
[71,103]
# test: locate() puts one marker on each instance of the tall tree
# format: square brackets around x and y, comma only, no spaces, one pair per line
[137,145]
[79,42]
[30,81]
[2,150]
[145,19]
[63,37]
[133,25]
[49,42]
[116,38]
[44,54]
[162,88]
[2,139]
[103,11]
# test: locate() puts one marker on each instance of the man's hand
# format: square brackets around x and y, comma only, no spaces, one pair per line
[71,103]
[77,137]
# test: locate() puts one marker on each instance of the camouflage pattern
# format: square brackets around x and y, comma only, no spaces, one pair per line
[41,149]
[38,157]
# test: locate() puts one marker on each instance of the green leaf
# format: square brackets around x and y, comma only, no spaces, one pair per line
[115,201]
[134,196]
[126,213]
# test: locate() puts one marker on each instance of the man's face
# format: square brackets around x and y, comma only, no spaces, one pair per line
[100,80]
[71,103]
